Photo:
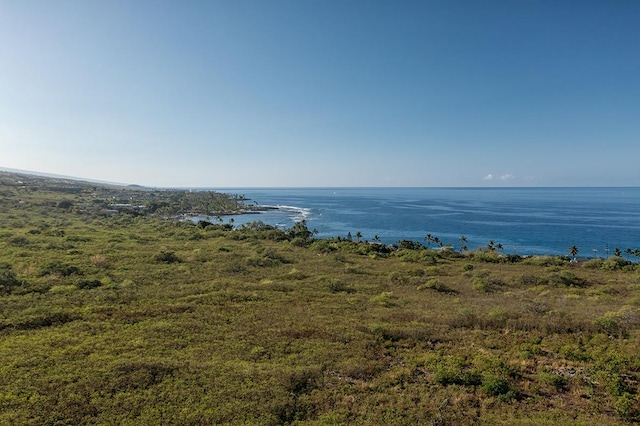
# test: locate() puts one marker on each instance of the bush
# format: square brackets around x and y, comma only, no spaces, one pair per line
[593,264]
[383,299]
[614,263]
[554,380]
[335,286]
[59,268]
[449,376]
[628,407]
[88,284]
[8,280]
[434,284]
[167,257]
[497,386]
[565,278]
[546,261]
[481,285]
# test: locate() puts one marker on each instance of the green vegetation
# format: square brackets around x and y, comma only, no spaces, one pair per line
[139,318]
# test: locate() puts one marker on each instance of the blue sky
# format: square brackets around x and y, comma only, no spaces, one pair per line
[323,93]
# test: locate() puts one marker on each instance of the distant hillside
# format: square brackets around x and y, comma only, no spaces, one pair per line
[56,176]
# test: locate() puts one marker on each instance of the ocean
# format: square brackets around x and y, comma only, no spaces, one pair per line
[525,221]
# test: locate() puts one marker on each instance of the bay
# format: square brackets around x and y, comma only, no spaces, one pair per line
[524,220]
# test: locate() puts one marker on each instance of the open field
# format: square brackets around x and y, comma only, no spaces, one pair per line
[126,318]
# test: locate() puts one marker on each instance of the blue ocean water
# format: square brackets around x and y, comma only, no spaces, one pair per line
[523,220]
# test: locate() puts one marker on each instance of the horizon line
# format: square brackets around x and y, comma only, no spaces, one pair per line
[207,187]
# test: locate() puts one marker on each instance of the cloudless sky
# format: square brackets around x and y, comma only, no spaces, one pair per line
[323,93]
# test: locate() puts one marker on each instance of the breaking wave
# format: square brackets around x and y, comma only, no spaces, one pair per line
[298,214]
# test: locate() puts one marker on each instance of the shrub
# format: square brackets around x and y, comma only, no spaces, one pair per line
[335,286]
[593,264]
[565,278]
[529,280]
[614,263]
[59,268]
[434,284]
[554,380]
[546,261]
[607,323]
[323,246]
[451,376]
[19,241]
[167,257]
[383,299]
[481,285]
[88,284]
[65,204]
[628,407]
[296,274]
[497,386]
[8,280]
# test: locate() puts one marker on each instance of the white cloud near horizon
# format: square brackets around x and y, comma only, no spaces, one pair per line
[508,176]
[488,177]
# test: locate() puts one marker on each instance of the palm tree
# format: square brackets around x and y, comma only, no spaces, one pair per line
[358,236]
[376,238]
[617,252]
[573,251]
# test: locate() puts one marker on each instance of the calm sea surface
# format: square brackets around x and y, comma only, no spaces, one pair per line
[523,220]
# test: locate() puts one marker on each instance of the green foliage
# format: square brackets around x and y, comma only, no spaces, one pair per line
[337,286]
[435,284]
[628,407]
[565,278]
[60,268]
[615,263]
[593,264]
[134,318]
[88,284]
[482,285]
[555,380]
[167,257]
[8,280]
[385,299]
[497,386]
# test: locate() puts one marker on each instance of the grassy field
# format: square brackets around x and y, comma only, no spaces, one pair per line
[123,318]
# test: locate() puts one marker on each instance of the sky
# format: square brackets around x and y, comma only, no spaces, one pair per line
[308,93]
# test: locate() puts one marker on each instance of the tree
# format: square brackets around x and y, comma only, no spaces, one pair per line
[358,236]
[300,230]
[437,241]
[617,252]
[376,238]
[463,243]
[573,251]
[428,238]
